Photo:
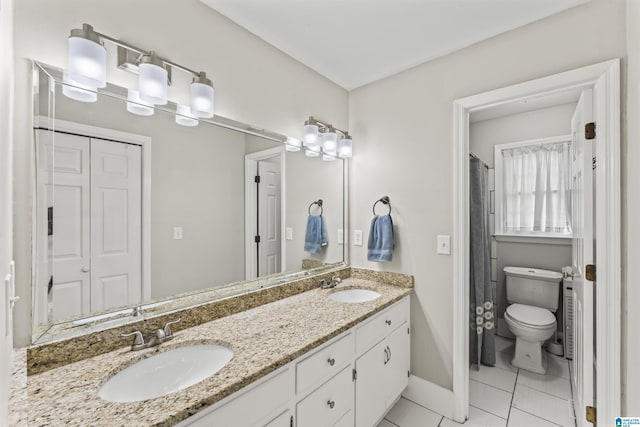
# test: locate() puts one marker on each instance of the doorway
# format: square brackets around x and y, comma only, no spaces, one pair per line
[603,79]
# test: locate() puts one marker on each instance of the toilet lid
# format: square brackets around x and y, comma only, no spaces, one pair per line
[530,315]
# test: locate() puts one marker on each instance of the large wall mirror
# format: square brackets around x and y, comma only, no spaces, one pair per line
[136,213]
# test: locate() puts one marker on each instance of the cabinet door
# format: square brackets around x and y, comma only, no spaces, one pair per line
[397,368]
[370,386]
[282,420]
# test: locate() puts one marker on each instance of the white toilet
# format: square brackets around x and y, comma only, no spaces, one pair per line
[533,295]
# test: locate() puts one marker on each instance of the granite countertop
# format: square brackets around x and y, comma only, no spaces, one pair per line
[262,339]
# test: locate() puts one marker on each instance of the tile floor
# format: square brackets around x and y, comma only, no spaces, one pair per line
[502,396]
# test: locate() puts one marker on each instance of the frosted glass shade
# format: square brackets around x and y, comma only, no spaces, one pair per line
[346,148]
[137,106]
[293,144]
[78,91]
[330,143]
[313,151]
[152,83]
[87,62]
[201,100]
[310,135]
[184,116]
[328,157]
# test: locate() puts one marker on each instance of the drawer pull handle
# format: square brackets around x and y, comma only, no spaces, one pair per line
[386,356]
[331,404]
[388,322]
[331,361]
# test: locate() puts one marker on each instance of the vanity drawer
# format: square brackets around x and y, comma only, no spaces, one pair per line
[324,363]
[381,325]
[329,403]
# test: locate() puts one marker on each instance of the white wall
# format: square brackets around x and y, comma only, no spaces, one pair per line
[6,147]
[403,125]
[255,83]
[630,223]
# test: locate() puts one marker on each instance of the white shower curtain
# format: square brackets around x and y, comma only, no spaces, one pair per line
[537,188]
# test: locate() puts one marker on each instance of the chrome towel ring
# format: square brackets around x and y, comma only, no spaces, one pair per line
[319,203]
[385,200]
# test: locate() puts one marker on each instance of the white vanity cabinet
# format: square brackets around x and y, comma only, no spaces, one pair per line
[353,379]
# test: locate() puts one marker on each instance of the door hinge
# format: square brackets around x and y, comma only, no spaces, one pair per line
[354,374]
[291,421]
[408,331]
[50,221]
[256,239]
[408,374]
[256,179]
[590,131]
[591,414]
[590,272]
[594,163]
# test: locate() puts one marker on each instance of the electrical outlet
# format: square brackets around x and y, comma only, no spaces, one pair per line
[340,236]
[357,237]
[289,233]
[444,245]
[177,233]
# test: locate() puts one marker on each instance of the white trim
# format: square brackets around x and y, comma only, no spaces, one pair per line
[130,138]
[430,395]
[527,238]
[604,77]
[250,171]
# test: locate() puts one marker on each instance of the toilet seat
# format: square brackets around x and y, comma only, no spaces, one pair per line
[533,317]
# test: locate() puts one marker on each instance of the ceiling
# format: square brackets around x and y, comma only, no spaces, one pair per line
[355,42]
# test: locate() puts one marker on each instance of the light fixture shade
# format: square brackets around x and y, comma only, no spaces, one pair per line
[87,58]
[346,148]
[330,143]
[312,151]
[202,96]
[293,144]
[138,106]
[77,91]
[184,116]
[152,80]
[310,135]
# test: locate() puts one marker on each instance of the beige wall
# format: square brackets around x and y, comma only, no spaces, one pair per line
[6,146]
[403,125]
[255,83]
[630,224]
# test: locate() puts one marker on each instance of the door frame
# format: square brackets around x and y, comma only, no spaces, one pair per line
[604,79]
[118,136]
[250,206]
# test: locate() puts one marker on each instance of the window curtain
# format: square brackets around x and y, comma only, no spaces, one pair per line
[537,189]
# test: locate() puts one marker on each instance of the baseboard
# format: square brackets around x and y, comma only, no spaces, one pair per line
[430,395]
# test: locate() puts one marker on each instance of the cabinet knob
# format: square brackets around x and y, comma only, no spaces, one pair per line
[388,322]
[85,269]
[331,361]
[331,404]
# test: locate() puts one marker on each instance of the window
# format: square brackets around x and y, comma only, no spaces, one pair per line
[533,187]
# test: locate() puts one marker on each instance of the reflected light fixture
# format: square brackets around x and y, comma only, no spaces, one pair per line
[138,106]
[321,134]
[87,65]
[293,144]
[312,151]
[78,91]
[184,116]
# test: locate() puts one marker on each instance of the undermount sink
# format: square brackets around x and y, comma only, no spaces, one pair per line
[165,373]
[354,295]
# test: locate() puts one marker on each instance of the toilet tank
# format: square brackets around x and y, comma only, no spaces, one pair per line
[532,286]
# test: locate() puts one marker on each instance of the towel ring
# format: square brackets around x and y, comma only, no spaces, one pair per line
[319,203]
[385,200]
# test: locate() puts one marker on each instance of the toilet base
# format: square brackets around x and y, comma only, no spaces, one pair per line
[530,356]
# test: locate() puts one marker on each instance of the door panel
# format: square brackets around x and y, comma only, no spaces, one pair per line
[398,364]
[269,260]
[370,386]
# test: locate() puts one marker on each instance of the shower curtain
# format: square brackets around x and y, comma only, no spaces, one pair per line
[482,322]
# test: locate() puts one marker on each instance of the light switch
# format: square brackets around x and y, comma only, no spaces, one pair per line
[289,233]
[177,233]
[444,245]
[357,237]
[340,236]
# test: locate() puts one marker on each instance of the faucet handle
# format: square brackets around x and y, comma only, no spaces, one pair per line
[336,279]
[138,340]
[167,328]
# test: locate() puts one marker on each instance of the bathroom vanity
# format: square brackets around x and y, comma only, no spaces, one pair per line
[304,360]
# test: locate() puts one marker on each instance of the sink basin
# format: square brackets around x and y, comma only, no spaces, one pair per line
[354,295]
[165,373]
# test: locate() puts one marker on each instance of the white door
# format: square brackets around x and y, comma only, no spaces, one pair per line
[63,191]
[371,393]
[116,224]
[583,254]
[397,368]
[269,217]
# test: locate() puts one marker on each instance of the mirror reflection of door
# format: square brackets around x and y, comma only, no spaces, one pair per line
[93,194]
[268,217]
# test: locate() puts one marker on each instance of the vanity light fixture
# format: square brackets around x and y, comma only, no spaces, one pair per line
[78,91]
[320,134]
[138,106]
[312,151]
[87,65]
[184,116]
[293,144]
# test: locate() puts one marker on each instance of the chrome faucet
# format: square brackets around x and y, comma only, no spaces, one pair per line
[335,280]
[158,337]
